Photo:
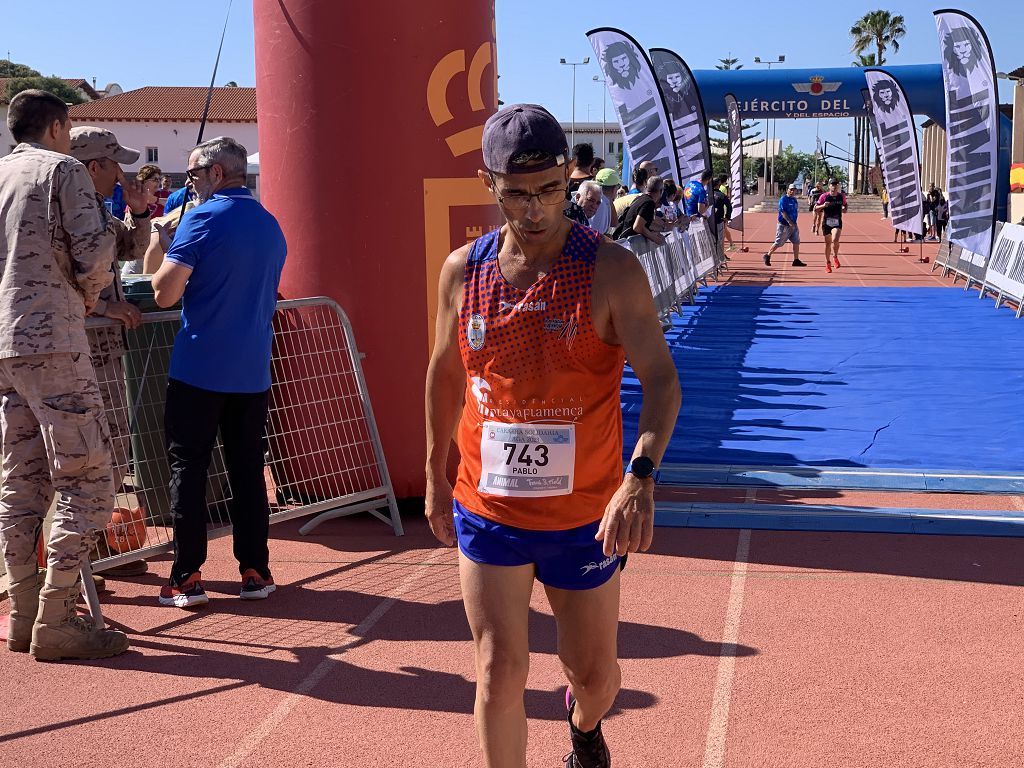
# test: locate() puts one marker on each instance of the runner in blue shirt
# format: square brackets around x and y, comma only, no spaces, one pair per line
[786,229]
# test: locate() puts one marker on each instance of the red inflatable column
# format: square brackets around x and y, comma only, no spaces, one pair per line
[370,116]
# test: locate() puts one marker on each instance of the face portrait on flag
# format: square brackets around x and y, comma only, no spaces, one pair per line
[886,95]
[675,86]
[621,64]
[962,50]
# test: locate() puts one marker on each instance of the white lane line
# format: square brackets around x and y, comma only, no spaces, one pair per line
[252,740]
[714,751]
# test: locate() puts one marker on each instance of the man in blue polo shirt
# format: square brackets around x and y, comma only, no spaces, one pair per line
[695,196]
[225,265]
[786,229]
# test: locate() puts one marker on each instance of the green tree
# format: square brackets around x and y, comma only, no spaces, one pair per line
[54,85]
[880,29]
[722,126]
[10,68]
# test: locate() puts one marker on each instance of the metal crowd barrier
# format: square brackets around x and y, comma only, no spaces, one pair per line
[687,258]
[324,455]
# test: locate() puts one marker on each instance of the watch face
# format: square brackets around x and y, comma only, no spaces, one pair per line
[641,467]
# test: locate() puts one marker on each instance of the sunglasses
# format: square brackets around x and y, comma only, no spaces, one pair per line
[193,173]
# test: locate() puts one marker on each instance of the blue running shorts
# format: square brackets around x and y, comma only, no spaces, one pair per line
[569,559]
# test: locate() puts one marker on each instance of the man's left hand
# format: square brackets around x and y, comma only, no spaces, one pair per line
[134,194]
[628,522]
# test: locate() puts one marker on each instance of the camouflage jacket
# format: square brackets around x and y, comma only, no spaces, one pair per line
[132,238]
[56,251]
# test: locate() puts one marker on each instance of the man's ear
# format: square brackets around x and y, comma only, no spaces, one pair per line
[485,177]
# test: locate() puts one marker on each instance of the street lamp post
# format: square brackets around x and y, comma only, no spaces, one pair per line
[604,114]
[771,123]
[849,159]
[574,64]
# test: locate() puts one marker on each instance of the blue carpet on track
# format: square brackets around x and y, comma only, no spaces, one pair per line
[913,378]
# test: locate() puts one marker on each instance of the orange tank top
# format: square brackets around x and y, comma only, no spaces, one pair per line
[541,429]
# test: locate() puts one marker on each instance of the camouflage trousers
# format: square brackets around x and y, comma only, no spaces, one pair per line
[54,441]
[106,346]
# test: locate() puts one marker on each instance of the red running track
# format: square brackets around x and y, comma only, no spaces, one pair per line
[739,648]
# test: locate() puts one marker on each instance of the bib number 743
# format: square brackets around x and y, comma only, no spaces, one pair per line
[527,459]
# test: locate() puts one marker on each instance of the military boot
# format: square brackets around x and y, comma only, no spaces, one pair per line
[60,633]
[23,589]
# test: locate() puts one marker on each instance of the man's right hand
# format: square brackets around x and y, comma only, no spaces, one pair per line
[124,311]
[438,509]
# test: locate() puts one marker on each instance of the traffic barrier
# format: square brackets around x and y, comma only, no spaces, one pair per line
[324,456]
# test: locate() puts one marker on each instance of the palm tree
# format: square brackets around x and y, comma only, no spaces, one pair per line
[861,133]
[878,28]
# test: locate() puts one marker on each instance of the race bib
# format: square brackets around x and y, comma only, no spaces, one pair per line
[527,459]
[832,221]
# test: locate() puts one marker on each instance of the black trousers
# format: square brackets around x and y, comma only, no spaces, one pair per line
[191,420]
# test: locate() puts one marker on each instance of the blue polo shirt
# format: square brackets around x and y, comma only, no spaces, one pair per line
[236,251]
[694,194]
[791,206]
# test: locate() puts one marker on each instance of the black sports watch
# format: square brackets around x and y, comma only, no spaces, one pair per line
[641,468]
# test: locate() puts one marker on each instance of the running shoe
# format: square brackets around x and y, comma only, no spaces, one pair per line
[828,267]
[836,259]
[767,260]
[189,594]
[255,587]
[588,749]
[798,263]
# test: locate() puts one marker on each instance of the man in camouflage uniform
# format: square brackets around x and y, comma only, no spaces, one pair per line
[101,154]
[55,256]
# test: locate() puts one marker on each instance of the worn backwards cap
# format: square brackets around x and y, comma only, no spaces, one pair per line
[523,128]
[607,177]
[91,143]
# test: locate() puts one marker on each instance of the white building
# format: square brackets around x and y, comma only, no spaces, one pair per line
[606,138]
[163,122]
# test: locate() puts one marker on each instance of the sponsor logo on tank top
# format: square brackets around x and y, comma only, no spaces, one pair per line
[523,306]
[565,409]
[476,329]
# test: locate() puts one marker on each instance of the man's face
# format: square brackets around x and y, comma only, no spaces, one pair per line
[202,177]
[885,94]
[621,64]
[675,81]
[834,188]
[611,192]
[64,138]
[105,174]
[791,191]
[533,221]
[962,50]
[590,201]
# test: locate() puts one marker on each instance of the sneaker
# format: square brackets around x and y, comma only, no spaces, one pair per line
[828,267]
[836,260]
[798,263]
[187,595]
[588,749]
[254,586]
[767,260]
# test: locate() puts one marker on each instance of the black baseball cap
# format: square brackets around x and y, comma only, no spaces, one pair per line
[521,128]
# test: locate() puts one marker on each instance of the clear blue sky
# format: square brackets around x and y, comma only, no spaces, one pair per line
[137,45]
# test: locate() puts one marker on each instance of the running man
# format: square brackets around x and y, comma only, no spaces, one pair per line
[786,230]
[832,207]
[533,323]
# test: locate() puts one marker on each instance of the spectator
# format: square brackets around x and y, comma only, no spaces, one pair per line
[640,215]
[639,178]
[598,166]
[162,193]
[150,177]
[224,265]
[941,214]
[885,203]
[177,198]
[56,253]
[611,185]
[722,206]
[592,200]
[583,154]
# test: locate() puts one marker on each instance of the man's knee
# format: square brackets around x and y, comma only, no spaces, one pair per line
[501,675]
[594,680]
